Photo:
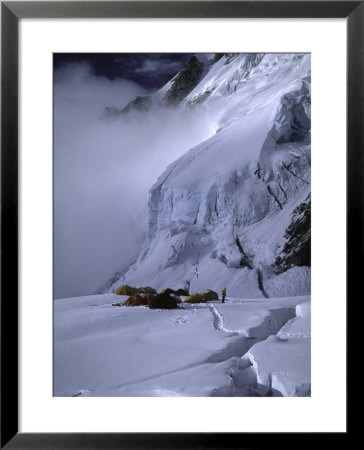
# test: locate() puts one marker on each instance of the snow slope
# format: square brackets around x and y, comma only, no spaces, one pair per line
[234,212]
[195,350]
[218,215]
[283,362]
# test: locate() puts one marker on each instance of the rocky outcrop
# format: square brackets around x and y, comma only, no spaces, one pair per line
[217,57]
[296,249]
[139,104]
[293,120]
[185,81]
[111,112]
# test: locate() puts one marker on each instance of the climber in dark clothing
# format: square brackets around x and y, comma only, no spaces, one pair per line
[223,294]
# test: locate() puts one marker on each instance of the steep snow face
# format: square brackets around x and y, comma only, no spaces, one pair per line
[173,92]
[218,214]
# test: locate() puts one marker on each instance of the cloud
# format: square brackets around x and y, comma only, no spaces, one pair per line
[103,171]
[158,67]
[151,70]
[78,83]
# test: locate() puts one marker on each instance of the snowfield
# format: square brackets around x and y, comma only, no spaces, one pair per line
[244,347]
[233,210]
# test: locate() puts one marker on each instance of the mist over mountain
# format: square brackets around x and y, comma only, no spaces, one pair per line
[234,209]
[103,170]
[198,184]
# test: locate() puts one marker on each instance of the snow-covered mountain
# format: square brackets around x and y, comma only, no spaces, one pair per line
[233,211]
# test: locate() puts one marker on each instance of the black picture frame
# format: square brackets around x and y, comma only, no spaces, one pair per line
[11,12]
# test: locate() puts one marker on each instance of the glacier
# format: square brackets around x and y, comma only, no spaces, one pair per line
[241,348]
[226,213]
[233,211]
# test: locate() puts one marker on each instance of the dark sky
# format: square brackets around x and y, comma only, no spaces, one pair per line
[150,70]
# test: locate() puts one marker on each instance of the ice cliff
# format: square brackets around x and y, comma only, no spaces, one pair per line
[234,211]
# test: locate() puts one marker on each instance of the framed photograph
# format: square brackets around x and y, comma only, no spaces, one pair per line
[157,258]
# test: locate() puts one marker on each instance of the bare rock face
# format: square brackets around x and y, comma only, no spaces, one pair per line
[217,57]
[185,81]
[296,250]
[139,104]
